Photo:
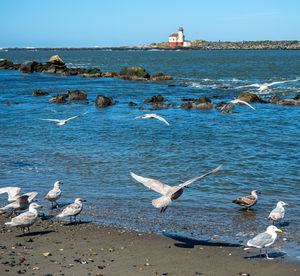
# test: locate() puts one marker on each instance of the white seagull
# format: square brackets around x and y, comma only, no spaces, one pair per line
[277,213]
[237,101]
[264,86]
[54,194]
[73,209]
[25,219]
[63,122]
[264,240]
[169,193]
[151,116]
[18,202]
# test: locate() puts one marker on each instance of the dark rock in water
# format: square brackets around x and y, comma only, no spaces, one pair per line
[274,100]
[156,99]
[91,73]
[132,104]
[171,85]
[60,98]
[28,67]
[187,100]
[102,101]
[142,108]
[187,105]
[39,92]
[56,60]
[55,65]
[162,105]
[297,97]
[224,106]
[250,98]
[226,111]
[203,103]
[6,64]
[288,102]
[161,77]
[134,72]
[77,95]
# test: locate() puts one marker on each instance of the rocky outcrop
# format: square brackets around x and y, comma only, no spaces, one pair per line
[59,98]
[134,73]
[132,104]
[162,105]
[39,92]
[8,65]
[156,99]
[77,95]
[161,77]
[28,67]
[250,98]
[111,74]
[102,101]
[202,103]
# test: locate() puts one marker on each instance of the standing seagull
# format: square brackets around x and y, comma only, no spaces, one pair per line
[264,240]
[247,201]
[63,122]
[277,213]
[25,219]
[169,193]
[54,194]
[73,209]
[264,86]
[151,116]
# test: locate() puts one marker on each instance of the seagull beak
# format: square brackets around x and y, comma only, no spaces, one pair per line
[279,230]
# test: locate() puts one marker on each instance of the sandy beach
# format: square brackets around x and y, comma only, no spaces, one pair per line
[62,248]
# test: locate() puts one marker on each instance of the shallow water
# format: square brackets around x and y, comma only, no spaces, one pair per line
[94,154]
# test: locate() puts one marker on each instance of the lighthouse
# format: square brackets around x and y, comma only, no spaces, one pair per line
[177,39]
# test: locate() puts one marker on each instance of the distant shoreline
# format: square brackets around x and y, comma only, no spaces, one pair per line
[202,45]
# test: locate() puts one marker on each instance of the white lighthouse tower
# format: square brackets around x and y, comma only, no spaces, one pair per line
[180,36]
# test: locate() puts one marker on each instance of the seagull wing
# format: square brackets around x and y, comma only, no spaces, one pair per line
[249,85]
[161,119]
[13,192]
[53,120]
[76,116]
[277,82]
[71,210]
[31,196]
[244,102]
[196,178]
[261,240]
[245,200]
[153,184]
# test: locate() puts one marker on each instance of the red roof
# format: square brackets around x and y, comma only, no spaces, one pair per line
[173,35]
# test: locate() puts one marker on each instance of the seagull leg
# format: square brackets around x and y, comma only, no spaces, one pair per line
[260,253]
[268,258]
[163,209]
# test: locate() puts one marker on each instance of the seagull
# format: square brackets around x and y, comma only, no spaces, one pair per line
[247,201]
[72,210]
[151,116]
[18,202]
[237,101]
[63,122]
[25,219]
[169,193]
[264,86]
[277,213]
[264,240]
[54,194]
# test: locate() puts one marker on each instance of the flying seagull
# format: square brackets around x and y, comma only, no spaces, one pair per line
[264,86]
[151,116]
[14,193]
[54,194]
[25,219]
[247,201]
[264,240]
[63,122]
[169,193]
[73,209]
[277,213]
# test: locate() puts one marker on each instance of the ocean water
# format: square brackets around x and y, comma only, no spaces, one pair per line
[93,155]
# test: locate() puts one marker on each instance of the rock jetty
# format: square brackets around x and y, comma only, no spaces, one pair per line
[55,65]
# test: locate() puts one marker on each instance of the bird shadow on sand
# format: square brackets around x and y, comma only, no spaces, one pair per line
[36,233]
[77,223]
[273,255]
[191,243]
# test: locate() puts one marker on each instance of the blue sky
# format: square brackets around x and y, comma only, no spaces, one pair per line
[75,23]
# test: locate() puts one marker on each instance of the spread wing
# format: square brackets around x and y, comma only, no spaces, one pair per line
[76,116]
[196,178]
[153,184]
[277,82]
[31,195]
[161,119]
[13,192]
[53,120]
[243,102]
[249,85]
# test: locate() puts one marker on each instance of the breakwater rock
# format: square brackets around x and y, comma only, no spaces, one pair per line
[55,65]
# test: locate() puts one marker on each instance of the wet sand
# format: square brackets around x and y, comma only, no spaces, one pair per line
[62,248]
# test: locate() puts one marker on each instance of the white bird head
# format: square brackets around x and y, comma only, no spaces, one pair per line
[281,204]
[255,192]
[79,200]
[34,206]
[57,183]
[273,229]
